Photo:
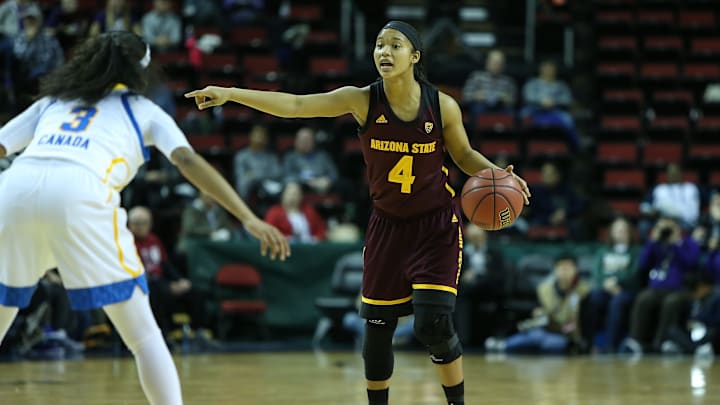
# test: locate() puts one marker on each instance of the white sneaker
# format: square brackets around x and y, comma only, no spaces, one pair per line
[705,350]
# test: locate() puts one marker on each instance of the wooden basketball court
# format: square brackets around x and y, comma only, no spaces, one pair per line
[337,378]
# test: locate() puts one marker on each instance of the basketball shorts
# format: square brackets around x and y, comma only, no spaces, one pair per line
[59,214]
[411,261]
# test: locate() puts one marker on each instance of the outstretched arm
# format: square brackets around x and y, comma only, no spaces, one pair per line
[345,100]
[465,157]
[201,174]
[3,152]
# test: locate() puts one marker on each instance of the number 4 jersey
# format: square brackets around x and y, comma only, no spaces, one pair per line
[110,137]
[405,159]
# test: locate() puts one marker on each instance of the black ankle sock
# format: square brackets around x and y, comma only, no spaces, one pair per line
[456,394]
[378,397]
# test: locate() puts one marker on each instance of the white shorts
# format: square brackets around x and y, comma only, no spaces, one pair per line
[59,214]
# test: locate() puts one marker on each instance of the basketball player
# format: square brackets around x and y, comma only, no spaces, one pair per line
[413,247]
[85,138]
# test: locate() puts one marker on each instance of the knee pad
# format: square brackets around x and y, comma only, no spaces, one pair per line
[434,329]
[377,349]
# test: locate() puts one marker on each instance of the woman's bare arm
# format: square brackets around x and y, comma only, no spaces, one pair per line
[345,100]
[201,174]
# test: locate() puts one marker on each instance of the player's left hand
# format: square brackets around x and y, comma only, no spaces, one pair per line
[523,184]
[270,239]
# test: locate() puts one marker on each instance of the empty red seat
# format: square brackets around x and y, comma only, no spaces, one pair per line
[207,143]
[662,17]
[306,12]
[676,123]
[659,70]
[702,71]
[547,148]
[322,37]
[616,69]
[715,178]
[239,141]
[705,46]
[624,95]
[708,123]
[495,122]
[624,179]
[615,17]
[680,96]
[531,176]
[617,152]
[662,153]
[628,208]
[621,123]
[697,19]
[704,151]
[253,36]
[663,43]
[328,66]
[260,64]
[219,61]
[617,43]
[495,148]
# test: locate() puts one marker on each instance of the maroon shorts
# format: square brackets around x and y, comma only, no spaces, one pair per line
[411,261]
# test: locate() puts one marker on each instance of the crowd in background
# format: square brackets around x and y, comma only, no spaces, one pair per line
[652,287]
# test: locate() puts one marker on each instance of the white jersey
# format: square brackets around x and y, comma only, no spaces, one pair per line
[110,138]
[60,200]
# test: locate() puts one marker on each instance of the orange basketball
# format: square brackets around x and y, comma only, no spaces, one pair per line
[492,199]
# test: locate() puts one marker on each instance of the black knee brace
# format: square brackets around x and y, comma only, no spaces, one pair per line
[434,329]
[377,349]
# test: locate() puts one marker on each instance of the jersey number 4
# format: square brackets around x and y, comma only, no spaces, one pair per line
[401,173]
[82,118]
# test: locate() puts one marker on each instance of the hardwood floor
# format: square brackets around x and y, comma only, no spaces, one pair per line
[337,378]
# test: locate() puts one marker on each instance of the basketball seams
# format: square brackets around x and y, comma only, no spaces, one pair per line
[494,210]
[472,217]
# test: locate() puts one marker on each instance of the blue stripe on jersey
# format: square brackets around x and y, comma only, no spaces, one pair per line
[96,297]
[126,104]
[16,296]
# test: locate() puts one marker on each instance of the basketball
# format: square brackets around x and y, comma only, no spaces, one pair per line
[492,199]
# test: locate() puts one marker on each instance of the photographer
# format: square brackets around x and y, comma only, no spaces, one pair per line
[666,260]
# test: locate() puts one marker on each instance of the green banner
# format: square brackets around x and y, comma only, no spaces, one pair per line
[289,288]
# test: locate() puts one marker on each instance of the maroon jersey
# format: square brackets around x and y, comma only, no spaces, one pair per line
[405,159]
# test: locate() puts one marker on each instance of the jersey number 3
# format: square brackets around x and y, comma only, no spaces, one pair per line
[401,173]
[82,118]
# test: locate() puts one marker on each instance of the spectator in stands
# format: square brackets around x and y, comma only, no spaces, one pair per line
[256,167]
[10,17]
[667,259]
[698,328]
[309,166]
[36,54]
[712,222]
[555,326]
[483,270]
[490,90]
[242,11]
[547,101]
[117,16]
[169,291]
[676,198]
[615,283]
[161,27]
[204,219]
[67,23]
[202,13]
[299,222]
[555,201]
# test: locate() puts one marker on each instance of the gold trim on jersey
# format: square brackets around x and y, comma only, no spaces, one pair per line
[121,256]
[386,302]
[448,187]
[436,287]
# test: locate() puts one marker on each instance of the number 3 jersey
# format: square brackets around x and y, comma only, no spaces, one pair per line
[110,138]
[405,159]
